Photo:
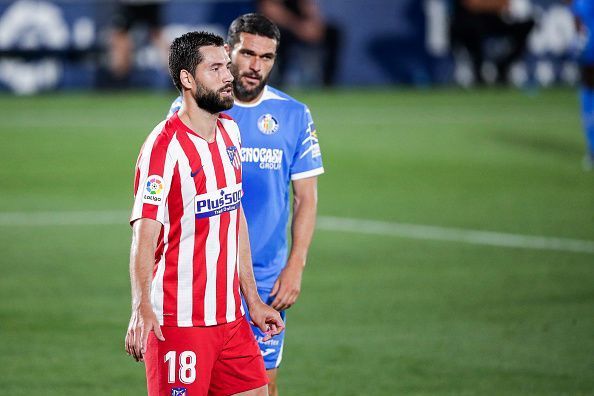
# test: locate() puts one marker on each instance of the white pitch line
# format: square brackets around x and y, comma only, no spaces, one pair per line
[326,223]
[34,219]
[475,237]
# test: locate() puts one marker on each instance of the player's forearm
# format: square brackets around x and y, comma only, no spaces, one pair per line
[142,257]
[247,281]
[487,5]
[303,223]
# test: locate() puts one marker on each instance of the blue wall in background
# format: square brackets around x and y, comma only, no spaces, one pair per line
[385,42]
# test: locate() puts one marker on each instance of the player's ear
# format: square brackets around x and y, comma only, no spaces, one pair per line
[186,79]
[228,49]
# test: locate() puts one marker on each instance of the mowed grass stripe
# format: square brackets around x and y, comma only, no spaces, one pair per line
[336,224]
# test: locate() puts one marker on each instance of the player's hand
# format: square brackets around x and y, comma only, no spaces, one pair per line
[142,321]
[267,319]
[287,287]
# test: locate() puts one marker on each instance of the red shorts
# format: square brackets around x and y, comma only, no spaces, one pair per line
[213,361]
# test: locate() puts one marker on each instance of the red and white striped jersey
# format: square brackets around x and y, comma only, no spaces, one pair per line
[193,188]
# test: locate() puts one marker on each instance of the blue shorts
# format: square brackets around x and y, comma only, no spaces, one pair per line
[272,350]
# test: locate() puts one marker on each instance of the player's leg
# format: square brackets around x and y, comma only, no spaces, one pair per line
[261,391]
[272,387]
[121,45]
[239,368]
[271,350]
[182,364]
[587,102]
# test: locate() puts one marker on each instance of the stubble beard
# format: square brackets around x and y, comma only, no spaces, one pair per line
[243,93]
[212,101]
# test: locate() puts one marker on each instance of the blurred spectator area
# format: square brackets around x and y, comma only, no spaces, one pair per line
[61,44]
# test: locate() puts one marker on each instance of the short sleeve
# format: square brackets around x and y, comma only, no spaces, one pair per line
[152,182]
[175,106]
[307,161]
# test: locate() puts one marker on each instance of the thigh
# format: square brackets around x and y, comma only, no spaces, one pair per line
[182,364]
[239,367]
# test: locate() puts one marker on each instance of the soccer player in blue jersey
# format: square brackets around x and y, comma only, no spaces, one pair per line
[584,12]
[280,149]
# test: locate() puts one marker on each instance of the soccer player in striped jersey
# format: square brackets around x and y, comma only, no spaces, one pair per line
[280,150]
[584,12]
[190,257]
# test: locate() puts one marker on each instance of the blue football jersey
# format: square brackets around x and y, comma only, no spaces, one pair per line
[279,144]
[584,10]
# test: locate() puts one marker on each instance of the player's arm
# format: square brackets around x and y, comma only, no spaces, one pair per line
[145,234]
[263,316]
[288,285]
[487,5]
[307,27]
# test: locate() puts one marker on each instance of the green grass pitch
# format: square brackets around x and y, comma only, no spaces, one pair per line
[378,315]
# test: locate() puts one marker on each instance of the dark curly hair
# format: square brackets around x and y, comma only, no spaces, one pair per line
[254,24]
[184,53]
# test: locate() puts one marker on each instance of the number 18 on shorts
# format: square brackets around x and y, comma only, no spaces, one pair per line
[201,361]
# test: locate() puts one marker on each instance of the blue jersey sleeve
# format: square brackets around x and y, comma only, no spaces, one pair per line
[175,106]
[307,161]
[583,9]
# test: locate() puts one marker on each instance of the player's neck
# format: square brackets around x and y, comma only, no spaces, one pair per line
[199,120]
[249,101]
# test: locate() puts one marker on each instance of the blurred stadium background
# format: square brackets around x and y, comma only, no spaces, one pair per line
[455,247]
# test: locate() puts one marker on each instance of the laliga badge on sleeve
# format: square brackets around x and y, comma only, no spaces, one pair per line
[153,190]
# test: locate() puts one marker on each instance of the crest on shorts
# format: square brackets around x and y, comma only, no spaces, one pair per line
[179,392]
[234,156]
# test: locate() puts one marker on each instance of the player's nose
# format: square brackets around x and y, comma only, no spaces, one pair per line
[256,64]
[227,76]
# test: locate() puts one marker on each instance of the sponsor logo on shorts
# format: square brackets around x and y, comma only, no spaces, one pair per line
[268,351]
[266,158]
[179,392]
[153,190]
[270,342]
[267,124]
[217,202]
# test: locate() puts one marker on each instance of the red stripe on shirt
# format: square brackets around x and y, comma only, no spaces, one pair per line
[202,227]
[228,143]
[175,210]
[236,272]
[223,235]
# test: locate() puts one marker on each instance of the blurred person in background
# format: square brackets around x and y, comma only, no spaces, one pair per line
[584,13]
[475,21]
[128,15]
[305,34]
[280,150]
[190,261]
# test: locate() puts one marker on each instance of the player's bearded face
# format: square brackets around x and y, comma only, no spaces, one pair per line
[214,101]
[243,91]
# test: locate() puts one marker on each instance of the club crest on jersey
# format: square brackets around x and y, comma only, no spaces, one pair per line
[179,392]
[217,202]
[234,156]
[153,190]
[267,124]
